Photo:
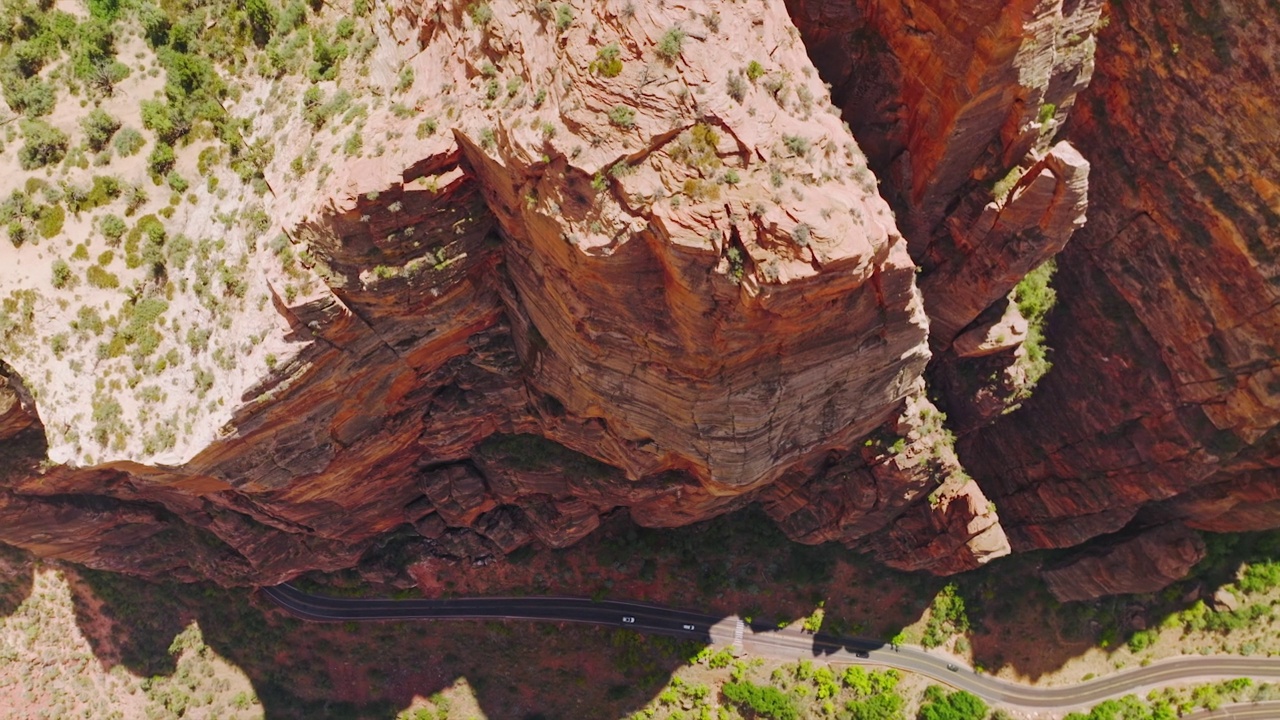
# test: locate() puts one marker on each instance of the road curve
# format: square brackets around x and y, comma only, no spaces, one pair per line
[787,644]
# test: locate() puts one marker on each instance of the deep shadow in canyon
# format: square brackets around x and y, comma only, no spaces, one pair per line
[531,670]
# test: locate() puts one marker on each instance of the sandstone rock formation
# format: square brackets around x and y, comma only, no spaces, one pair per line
[552,291]
[1146,562]
[1162,403]
[522,267]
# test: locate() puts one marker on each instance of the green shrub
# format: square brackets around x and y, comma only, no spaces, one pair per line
[1035,297]
[1260,576]
[263,16]
[165,120]
[754,71]
[564,17]
[128,142]
[1142,639]
[100,278]
[325,56]
[62,276]
[796,144]
[607,62]
[176,182]
[49,220]
[960,705]
[161,159]
[45,145]
[481,14]
[622,116]
[405,81]
[671,43]
[99,127]
[354,143]
[763,700]
[32,97]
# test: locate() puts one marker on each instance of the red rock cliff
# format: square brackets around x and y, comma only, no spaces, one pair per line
[674,288]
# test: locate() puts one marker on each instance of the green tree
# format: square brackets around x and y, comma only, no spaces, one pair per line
[263,16]
[763,700]
[960,705]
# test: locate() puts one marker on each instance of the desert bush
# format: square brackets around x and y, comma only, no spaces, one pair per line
[481,14]
[671,43]
[62,276]
[736,86]
[564,17]
[128,142]
[161,159]
[99,127]
[607,62]
[45,145]
[100,278]
[49,220]
[622,116]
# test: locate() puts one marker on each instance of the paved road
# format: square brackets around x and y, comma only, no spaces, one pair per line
[793,645]
[1256,711]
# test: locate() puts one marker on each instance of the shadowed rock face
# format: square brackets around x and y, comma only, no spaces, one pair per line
[1145,562]
[1163,401]
[544,310]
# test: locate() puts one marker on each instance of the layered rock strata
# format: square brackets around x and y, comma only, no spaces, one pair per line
[1168,295]
[662,287]
[628,258]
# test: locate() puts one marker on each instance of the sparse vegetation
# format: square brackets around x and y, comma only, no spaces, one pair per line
[564,17]
[736,86]
[62,276]
[670,45]
[45,145]
[128,142]
[99,128]
[622,116]
[1035,297]
[607,62]
[796,144]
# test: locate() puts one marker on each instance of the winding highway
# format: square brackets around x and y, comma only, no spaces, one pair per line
[787,644]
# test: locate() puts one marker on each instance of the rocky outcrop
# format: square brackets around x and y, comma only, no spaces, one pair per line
[1010,237]
[630,258]
[1167,296]
[552,291]
[1141,563]
[873,497]
[16,406]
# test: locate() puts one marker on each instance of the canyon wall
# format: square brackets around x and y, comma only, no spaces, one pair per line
[602,259]
[1162,404]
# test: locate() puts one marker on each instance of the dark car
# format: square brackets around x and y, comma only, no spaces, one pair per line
[861,653]
[953,667]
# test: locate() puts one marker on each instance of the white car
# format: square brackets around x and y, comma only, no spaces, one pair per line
[689,627]
[628,619]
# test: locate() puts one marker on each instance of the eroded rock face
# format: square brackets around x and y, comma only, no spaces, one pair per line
[1141,563]
[663,287]
[1163,402]
[560,286]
